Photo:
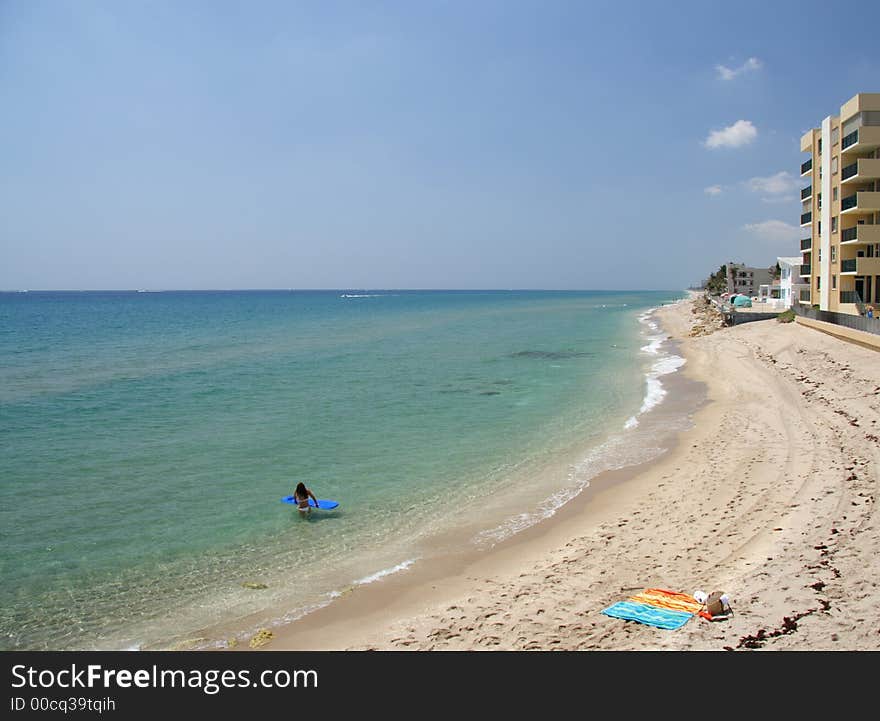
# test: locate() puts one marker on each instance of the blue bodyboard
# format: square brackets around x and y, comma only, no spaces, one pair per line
[323,504]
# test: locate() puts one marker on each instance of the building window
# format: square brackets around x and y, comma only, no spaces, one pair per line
[835,134]
[818,283]
[833,282]
[820,255]
[820,146]
[834,165]
[834,193]
[833,253]
[833,223]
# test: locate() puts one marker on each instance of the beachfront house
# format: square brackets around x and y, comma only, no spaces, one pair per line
[745,280]
[791,287]
[840,213]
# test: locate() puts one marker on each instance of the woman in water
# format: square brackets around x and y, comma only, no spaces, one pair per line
[301,495]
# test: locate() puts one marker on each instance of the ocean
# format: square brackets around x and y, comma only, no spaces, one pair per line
[146,439]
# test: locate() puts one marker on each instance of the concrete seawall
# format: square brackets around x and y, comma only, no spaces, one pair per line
[867,340]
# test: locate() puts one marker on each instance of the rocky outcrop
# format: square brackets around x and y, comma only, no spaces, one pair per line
[706,316]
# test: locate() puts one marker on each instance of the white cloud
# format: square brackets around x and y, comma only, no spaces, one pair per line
[774,231]
[740,133]
[726,73]
[781,183]
[712,190]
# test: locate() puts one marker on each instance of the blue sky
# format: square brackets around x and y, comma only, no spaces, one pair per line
[409,144]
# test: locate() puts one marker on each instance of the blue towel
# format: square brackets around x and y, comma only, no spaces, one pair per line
[650,615]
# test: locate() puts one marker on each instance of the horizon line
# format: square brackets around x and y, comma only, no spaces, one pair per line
[333,290]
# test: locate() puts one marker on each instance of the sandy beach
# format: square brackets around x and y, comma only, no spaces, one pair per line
[770,497]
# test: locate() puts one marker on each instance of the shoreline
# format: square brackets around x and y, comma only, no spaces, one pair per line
[446,554]
[562,446]
[769,496]
[433,577]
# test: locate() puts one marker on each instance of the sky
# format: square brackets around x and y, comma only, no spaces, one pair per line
[460,144]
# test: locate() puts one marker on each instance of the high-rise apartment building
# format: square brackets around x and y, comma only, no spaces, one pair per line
[840,213]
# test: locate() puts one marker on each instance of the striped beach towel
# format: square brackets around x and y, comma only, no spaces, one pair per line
[656,607]
[668,599]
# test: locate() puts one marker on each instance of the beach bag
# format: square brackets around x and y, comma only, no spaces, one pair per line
[717,604]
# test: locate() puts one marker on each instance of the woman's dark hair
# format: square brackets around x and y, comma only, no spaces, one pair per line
[301,490]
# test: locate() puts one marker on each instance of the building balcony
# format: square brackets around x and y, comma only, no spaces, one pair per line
[860,234]
[807,192]
[806,244]
[805,271]
[861,140]
[806,218]
[807,140]
[807,167]
[861,169]
[863,201]
[860,266]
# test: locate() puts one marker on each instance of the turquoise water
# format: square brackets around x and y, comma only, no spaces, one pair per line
[147,438]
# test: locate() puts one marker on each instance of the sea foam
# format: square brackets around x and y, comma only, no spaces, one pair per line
[385,572]
[666,364]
